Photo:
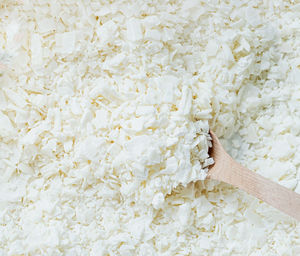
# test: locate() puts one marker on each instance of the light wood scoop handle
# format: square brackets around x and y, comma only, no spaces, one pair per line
[227,170]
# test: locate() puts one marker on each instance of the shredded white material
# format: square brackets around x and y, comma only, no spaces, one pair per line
[105,109]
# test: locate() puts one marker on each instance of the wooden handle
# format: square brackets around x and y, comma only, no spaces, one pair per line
[227,170]
[266,190]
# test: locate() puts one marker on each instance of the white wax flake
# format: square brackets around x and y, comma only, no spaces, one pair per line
[102,119]
[145,110]
[25,168]
[116,60]
[12,192]
[203,206]
[16,98]
[75,107]
[252,17]
[211,48]
[151,21]
[36,49]
[134,30]
[107,32]
[184,214]
[11,31]
[208,162]
[294,76]
[227,53]
[152,34]
[5,123]
[104,89]
[145,149]
[244,44]
[281,149]
[167,85]
[51,145]
[158,200]
[86,118]
[171,165]
[171,142]
[91,148]
[65,42]
[183,174]
[186,101]
[138,124]
[137,227]
[46,26]
[68,145]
